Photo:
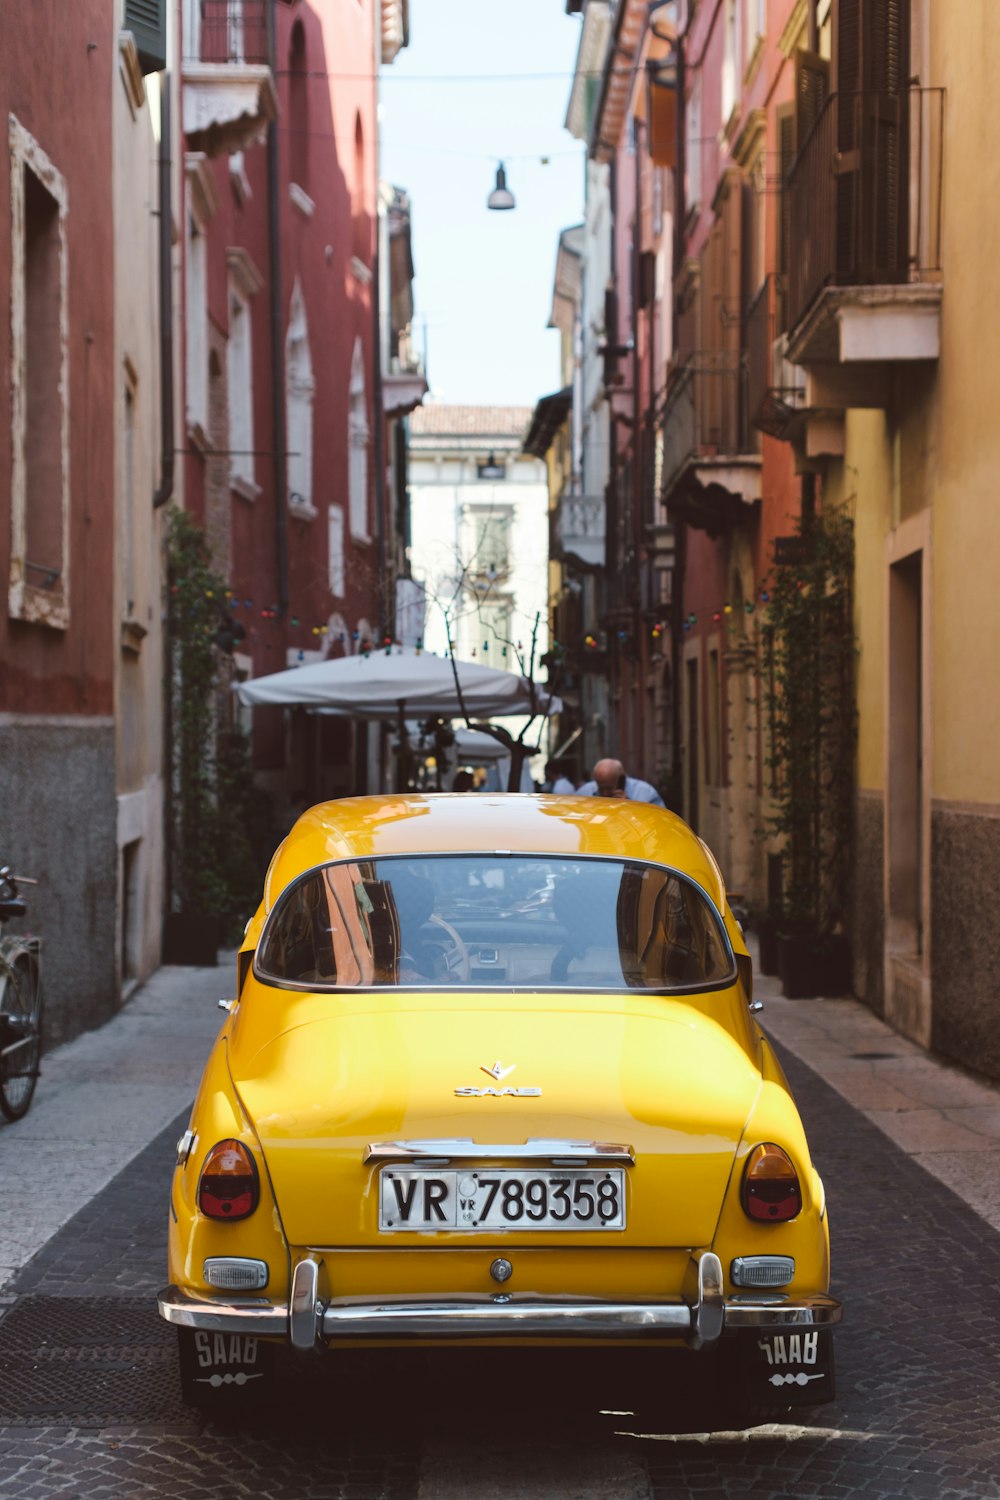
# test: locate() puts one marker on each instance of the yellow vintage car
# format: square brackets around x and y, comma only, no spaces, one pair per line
[493,1076]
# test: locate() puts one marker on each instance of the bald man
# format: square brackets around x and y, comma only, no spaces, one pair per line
[610,780]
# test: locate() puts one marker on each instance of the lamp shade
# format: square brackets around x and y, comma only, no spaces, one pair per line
[501,196]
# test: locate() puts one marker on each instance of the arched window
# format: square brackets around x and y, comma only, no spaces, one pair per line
[362,227]
[300,389]
[298,107]
[357,442]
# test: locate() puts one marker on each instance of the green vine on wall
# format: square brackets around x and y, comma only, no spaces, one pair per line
[810,654]
[213,869]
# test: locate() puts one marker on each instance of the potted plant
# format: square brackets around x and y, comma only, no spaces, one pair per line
[211,866]
[810,653]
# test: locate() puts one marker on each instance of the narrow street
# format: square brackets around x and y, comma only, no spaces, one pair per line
[90,1403]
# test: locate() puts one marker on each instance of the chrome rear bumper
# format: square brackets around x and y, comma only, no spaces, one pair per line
[306,1320]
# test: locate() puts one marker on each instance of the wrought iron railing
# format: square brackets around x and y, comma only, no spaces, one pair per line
[228,31]
[775,388]
[865,194]
[706,414]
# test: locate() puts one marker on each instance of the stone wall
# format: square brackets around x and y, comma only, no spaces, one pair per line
[60,826]
[965,935]
[867,902]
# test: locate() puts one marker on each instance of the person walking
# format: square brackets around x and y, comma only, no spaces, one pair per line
[556,779]
[610,780]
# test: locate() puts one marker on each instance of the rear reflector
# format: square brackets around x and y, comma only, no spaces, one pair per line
[771,1189]
[230,1274]
[229,1186]
[762,1270]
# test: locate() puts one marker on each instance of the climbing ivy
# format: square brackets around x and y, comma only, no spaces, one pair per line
[212,865]
[810,654]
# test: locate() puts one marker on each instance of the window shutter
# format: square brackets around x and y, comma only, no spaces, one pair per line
[147,21]
[785,118]
[812,85]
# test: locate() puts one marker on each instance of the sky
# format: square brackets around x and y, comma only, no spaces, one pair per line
[454,103]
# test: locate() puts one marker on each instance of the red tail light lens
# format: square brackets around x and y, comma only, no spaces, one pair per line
[771,1189]
[229,1186]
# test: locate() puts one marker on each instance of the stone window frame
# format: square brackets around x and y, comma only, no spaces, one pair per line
[300,396]
[337,570]
[245,281]
[201,206]
[358,439]
[26,601]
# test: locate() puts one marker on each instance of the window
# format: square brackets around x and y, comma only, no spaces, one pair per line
[147,21]
[532,921]
[357,439]
[244,282]
[39,564]
[335,517]
[300,390]
[714,731]
[732,68]
[298,107]
[202,202]
[693,159]
[490,541]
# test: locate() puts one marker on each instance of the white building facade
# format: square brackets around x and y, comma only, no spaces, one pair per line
[479,534]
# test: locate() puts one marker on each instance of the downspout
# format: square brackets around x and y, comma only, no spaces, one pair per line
[278,417]
[680,527]
[165,488]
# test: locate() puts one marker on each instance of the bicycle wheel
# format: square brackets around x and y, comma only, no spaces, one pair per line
[20,1034]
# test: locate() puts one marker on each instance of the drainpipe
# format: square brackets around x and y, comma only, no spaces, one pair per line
[278,419]
[378,450]
[680,527]
[165,488]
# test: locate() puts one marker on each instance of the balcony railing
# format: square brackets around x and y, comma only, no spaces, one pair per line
[229,31]
[865,195]
[775,388]
[706,414]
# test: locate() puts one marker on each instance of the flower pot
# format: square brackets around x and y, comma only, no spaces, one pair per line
[191,938]
[767,945]
[811,965]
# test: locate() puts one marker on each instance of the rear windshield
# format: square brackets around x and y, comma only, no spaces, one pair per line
[495,921]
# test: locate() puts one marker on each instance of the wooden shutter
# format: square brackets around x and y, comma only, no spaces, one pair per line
[147,21]
[812,86]
[785,121]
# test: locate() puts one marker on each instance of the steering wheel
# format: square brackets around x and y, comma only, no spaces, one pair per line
[455,953]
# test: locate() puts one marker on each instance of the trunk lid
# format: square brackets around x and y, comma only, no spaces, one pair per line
[647,1072]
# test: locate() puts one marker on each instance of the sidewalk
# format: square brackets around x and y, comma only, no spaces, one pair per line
[100,1099]
[104,1096]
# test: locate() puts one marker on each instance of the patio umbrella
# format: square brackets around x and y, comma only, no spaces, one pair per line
[385,684]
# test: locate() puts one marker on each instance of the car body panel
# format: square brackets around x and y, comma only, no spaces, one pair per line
[309,1080]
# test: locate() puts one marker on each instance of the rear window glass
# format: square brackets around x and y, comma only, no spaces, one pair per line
[497,921]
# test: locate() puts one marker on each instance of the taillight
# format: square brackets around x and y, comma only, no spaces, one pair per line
[229,1186]
[770,1185]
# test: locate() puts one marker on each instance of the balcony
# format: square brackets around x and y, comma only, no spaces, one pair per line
[578,530]
[711,461]
[864,215]
[776,389]
[229,95]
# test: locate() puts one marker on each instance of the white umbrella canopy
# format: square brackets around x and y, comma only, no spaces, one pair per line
[383,684]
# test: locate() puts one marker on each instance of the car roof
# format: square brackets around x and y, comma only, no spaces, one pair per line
[464,823]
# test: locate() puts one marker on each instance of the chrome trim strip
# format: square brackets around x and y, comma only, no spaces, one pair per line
[486,1318]
[252,1316]
[813,1311]
[303,1320]
[499,1314]
[449,1149]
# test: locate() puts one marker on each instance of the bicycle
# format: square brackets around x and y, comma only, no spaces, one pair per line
[20,1003]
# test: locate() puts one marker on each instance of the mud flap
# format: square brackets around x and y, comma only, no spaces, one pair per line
[785,1369]
[223,1368]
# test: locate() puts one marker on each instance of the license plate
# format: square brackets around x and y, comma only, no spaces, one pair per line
[487,1200]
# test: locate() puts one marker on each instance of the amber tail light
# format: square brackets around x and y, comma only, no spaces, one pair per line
[229,1186]
[771,1190]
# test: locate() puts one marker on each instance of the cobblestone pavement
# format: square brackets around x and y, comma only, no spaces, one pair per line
[918,1376]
